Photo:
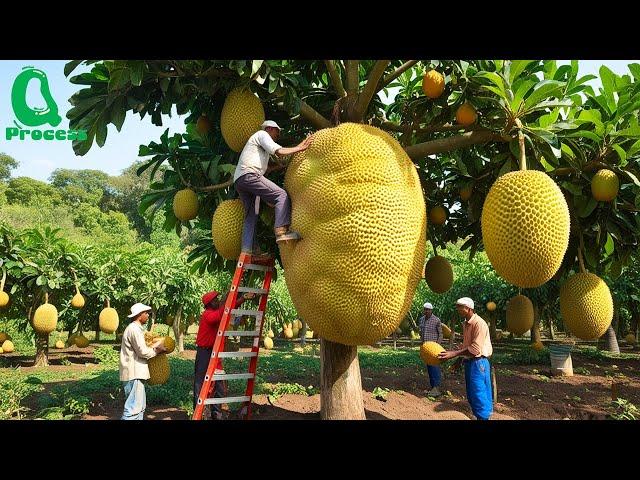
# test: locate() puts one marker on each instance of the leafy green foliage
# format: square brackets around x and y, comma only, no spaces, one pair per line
[622,409]
[14,391]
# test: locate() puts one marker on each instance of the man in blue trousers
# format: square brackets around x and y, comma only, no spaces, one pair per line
[476,350]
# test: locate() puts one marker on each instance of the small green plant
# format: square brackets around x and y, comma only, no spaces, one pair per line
[380,393]
[14,391]
[68,406]
[274,392]
[65,362]
[106,355]
[622,409]
[581,371]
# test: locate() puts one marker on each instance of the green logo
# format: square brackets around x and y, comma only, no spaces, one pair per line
[36,117]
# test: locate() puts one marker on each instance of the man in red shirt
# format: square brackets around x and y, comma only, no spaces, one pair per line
[207,332]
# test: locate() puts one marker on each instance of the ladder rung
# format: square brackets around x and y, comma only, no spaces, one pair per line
[254,266]
[252,290]
[242,333]
[215,401]
[233,376]
[237,354]
[238,311]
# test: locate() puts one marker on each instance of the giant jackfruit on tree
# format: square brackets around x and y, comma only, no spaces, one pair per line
[226,228]
[525,227]
[242,116]
[359,207]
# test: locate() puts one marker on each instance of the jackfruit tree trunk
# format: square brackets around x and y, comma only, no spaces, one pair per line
[303,337]
[177,321]
[610,340]
[552,333]
[535,330]
[97,336]
[340,382]
[635,318]
[42,351]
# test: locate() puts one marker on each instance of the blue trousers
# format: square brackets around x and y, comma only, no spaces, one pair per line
[434,375]
[477,377]
[135,400]
[251,185]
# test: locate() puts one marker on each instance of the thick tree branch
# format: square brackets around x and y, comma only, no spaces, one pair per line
[392,76]
[453,143]
[446,127]
[370,88]
[313,116]
[335,78]
[352,77]
[218,186]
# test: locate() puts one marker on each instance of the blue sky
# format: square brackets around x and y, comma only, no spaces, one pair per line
[38,158]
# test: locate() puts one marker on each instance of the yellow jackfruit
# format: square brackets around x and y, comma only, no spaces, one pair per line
[81,341]
[226,228]
[3,337]
[77,301]
[438,274]
[270,334]
[45,319]
[7,346]
[630,338]
[59,344]
[242,116]
[586,305]
[288,333]
[466,192]
[433,84]
[446,331]
[429,353]
[466,115]
[358,205]
[185,204]
[108,320]
[605,185]
[4,299]
[169,344]
[491,306]
[203,125]
[159,369]
[525,227]
[437,215]
[519,315]
[296,331]
[268,343]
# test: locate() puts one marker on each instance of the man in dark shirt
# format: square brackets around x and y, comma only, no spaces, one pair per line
[207,332]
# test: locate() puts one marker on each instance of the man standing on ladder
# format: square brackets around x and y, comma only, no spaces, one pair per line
[250,183]
[207,331]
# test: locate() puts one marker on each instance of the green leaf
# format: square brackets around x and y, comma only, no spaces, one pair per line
[255,66]
[609,246]
[71,66]
[497,81]
[101,131]
[608,84]
[634,68]
[41,280]
[585,134]
[621,153]
[521,91]
[227,168]
[517,67]
[137,73]
[118,113]
[633,177]
[588,208]
[632,132]
[506,168]
[573,188]
[544,90]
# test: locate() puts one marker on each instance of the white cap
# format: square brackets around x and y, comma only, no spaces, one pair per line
[270,123]
[138,308]
[466,301]
[428,305]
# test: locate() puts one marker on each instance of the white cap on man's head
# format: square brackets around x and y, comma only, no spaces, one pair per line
[428,306]
[466,301]
[270,123]
[138,308]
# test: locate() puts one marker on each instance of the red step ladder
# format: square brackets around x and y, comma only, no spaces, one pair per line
[245,262]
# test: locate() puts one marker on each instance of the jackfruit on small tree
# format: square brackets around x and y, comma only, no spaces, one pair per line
[270,334]
[519,315]
[491,306]
[446,331]
[605,185]
[525,225]
[78,300]
[288,332]
[59,344]
[267,342]
[226,228]
[242,116]
[433,84]
[586,305]
[429,352]
[438,274]
[108,319]
[466,192]
[81,341]
[4,296]
[185,204]
[159,369]
[437,215]
[45,318]
[7,346]
[4,336]
[466,115]
[203,125]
